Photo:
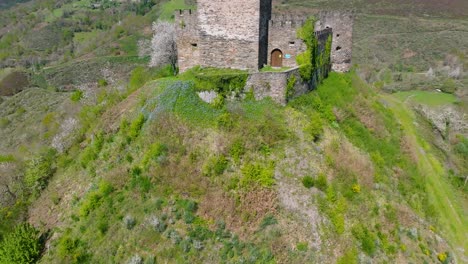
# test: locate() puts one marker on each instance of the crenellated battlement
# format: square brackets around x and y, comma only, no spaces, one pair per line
[186,19]
[287,21]
[184,12]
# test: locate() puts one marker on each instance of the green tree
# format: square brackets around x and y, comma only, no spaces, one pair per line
[20,246]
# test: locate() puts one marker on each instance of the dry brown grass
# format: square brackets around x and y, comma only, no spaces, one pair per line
[350,159]
[243,214]
[370,118]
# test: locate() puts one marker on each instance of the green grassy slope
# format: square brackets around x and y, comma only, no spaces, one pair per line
[184,180]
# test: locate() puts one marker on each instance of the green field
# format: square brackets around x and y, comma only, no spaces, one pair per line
[427,98]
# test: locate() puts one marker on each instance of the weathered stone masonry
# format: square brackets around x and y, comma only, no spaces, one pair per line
[243,34]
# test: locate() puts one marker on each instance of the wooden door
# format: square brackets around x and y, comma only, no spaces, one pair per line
[276,58]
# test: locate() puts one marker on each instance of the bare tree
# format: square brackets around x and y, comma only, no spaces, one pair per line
[163,45]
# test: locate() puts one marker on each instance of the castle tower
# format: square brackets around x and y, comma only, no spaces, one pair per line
[228,34]
[342,24]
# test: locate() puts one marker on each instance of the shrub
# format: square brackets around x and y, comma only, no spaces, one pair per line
[315,127]
[308,182]
[321,182]
[92,151]
[136,126]
[38,171]
[302,246]
[102,226]
[71,250]
[21,246]
[449,86]
[356,188]
[267,221]
[138,78]
[129,222]
[136,259]
[290,87]
[237,150]
[257,174]
[215,166]
[349,257]
[366,237]
[6,158]
[442,257]
[225,121]
[76,96]
[94,199]
[158,224]
[102,83]
[4,122]
[157,152]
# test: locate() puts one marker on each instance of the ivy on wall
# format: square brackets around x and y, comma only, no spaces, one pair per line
[306,60]
[313,60]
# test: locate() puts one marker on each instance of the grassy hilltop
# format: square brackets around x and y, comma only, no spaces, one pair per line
[110,161]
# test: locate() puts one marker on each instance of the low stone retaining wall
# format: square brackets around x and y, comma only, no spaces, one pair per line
[274,85]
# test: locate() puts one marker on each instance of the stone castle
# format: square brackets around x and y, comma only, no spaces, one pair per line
[244,34]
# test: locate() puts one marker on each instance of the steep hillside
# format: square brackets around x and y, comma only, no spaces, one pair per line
[112,161]
[177,179]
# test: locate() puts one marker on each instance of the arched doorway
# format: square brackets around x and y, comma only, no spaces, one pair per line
[276,58]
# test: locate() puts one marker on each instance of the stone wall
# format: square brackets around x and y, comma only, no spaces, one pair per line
[283,36]
[273,85]
[188,39]
[342,24]
[230,32]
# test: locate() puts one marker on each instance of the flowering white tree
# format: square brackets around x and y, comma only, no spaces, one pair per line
[163,45]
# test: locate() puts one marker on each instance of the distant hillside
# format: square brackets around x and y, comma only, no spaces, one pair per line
[4,4]
[447,8]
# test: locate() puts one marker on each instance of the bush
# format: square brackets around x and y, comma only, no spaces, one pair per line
[321,182]
[315,127]
[366,237]
[356,188]
[94,199]
[257,174]
[129,222]
[215,166]
[38,171]
[237,150]
[157,152]
[21,246]
[71,250]
[92,151]
[308,182]
[76,96]
[442,257]
[136,126]
[290,87]
[267,221]
[302,246]
[349,257]
[138,78]
[225,121]
[102,83]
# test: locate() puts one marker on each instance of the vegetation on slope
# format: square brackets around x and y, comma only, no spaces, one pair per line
[181,179]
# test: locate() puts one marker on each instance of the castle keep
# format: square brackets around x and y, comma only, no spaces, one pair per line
[243,34]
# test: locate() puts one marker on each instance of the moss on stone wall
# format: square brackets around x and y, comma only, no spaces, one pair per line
[226,82]
[315,60]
